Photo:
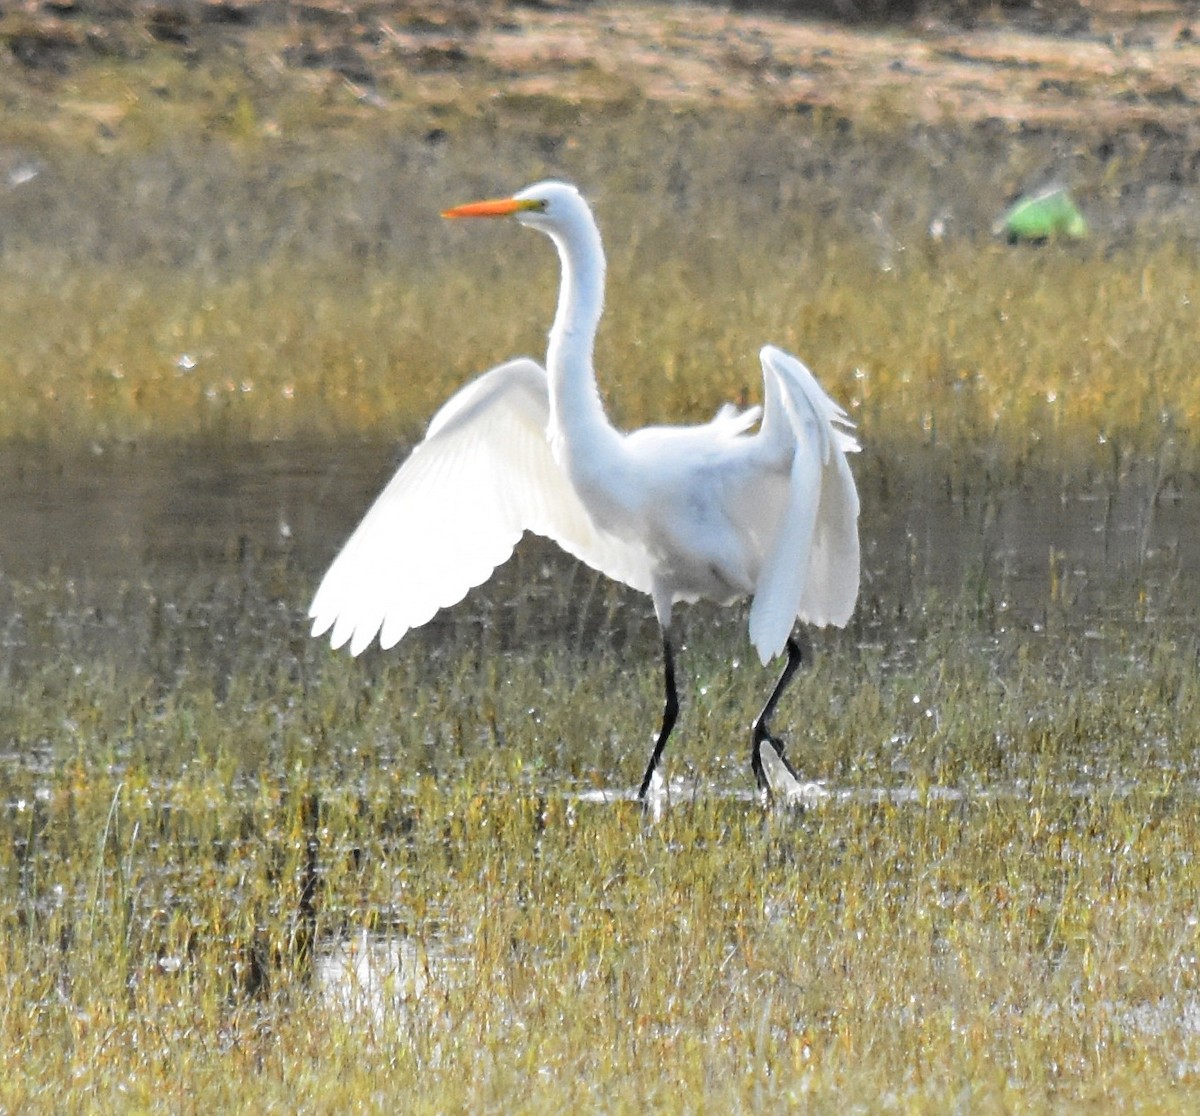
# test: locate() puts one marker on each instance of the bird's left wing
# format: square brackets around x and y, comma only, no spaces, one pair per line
[812,571]
[482,477]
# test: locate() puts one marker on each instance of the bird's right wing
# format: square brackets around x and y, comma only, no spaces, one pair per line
[455,510]
[812,571]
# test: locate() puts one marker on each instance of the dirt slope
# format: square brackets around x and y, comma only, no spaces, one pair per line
[1111,65]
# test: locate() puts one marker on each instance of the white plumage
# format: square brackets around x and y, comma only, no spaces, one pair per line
[718,511]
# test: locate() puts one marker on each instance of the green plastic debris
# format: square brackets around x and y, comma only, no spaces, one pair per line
[1045,216]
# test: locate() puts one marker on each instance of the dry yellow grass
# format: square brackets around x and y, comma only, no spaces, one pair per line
[1024,355]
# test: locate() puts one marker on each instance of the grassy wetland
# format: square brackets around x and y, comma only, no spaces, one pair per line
[242,872]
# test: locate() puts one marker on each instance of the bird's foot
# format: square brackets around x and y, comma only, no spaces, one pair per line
[652,796]
[777,779]
[761,736]
[783,784]
[653,786]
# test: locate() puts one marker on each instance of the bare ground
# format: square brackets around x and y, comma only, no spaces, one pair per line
[1112,64]
[952,116]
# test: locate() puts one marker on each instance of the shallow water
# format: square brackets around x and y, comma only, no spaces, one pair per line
[371,978]
[141,523]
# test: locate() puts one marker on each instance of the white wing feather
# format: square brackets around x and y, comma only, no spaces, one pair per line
[455,510]
[821,517]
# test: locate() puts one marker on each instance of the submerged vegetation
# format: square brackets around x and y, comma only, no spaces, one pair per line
[995,902]
[239,871]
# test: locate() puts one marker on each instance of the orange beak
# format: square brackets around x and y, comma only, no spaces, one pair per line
[496,207]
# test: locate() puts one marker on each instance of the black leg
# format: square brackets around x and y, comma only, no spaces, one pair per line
[762,727]
[670,712]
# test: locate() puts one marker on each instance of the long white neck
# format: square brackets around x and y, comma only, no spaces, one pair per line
[576,413]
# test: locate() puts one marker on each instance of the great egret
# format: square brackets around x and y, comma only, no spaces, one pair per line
[680,513]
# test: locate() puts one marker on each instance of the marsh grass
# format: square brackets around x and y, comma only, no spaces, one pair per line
[279,291]
[993,910]
[997,900]
[1030,359]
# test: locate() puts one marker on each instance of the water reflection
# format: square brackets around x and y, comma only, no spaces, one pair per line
[153,520]
[119,513]
[372,977]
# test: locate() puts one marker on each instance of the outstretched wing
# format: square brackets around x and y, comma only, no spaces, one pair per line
[812,570]
[482,477]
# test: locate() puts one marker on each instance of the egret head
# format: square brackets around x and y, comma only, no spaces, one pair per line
[558,210]
[548,206]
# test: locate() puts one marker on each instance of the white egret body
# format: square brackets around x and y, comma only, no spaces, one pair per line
[718,511]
